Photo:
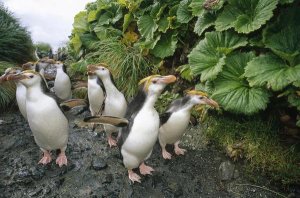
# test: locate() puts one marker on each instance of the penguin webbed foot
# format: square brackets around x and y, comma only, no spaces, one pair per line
[179,151]
[166,154]
[61,159]
[46,159]
[112,142]
[145,170]
[133,176]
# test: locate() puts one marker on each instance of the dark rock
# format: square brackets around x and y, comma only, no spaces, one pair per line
[175,187]
[108,179]
[35,192]
[98,164]
[37,172]
[226,171]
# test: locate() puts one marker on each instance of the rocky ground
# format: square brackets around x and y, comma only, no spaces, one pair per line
[95,170]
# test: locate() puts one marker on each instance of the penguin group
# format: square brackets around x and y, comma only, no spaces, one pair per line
[137,123]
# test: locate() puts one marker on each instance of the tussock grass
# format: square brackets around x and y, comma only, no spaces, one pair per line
[259,144]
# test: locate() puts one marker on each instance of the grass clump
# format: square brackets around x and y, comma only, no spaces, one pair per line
[257,141]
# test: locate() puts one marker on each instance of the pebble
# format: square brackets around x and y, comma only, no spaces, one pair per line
[98,164]
[226,171]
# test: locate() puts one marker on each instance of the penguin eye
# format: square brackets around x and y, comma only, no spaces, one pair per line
[102,69]
[201,97]
[154,81]
[31,76]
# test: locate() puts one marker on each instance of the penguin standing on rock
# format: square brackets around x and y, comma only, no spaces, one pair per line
[20,89]
[96,91]
[46,120]
[114,103]
[174,122]
[62,83]
[138,138]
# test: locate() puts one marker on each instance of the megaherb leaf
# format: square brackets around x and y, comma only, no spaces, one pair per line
[271,70]
[245,16]
[197,7]
[147,26]
[166,46]
[80,24]
[76,43]
[205,21]
[283,37]
[92,15]
[184,15]
[208,57]
[233,91]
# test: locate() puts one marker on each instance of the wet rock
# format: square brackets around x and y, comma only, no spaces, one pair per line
[35,192]
[37,173]
[98,164]
[108,179]
[226,171]
[23,176]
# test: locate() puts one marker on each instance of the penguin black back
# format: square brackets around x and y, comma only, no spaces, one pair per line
[100,83]
[174,106]
[64,68]
[133,108]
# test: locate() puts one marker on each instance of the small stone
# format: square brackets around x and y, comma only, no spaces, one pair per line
[226,171]
[108,179]
[98,164]
[34,193]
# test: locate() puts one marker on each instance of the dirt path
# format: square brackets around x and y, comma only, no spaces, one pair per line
[94,170]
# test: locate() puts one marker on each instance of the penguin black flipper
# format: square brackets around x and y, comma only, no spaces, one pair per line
[163,118]
[133,108]
[100,83]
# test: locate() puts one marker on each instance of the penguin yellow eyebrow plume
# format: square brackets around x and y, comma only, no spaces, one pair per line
[195,92]
[147,81]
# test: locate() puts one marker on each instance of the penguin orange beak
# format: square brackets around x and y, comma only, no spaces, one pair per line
[10,77]
[168,79]
[211,102]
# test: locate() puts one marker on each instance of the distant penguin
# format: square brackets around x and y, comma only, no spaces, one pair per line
[176,119]
[96,91]
[42,64]
[29,66]
[138,138]
[62,83]
[20,89]
[115,103]
[46,120]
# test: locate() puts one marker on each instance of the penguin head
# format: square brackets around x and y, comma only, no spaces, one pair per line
[58,64]
[155,84]
[28,78]
[28,66]
[100,70]
[45,62]
[10,72]
[201,98]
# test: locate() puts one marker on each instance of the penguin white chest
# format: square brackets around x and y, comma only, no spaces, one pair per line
[21,99]
[174,128]
[62,85]
[142,136]
[115,105]
[95,95]
[48,124]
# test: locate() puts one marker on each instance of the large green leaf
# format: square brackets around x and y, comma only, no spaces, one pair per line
[197,7]
[163,24]
[92,16]
[76,43]
[233,91]
[245,16]
[127,20]
[294,100]
[205,21]
[87,40]
[147,26]
[80,24]
[104,32]
[271,70]
[166,46]
[184,15]
[208,57]
[283,37]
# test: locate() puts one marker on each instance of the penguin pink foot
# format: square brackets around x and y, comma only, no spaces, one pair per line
[179,151]
[133,176]
[145,170]
[111,141]
[46,158]
[166,154]
[61,159]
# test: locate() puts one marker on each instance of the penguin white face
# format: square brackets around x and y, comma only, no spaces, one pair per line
[102,72]
[156,84]
[58,65]
[28,78]
[204,100]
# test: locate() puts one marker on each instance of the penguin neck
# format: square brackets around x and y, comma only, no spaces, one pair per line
[150,101]
[109,85]
[34,92]
[60,70]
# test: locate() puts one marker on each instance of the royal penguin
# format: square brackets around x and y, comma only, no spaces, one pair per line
[20,89]
[42,64]
[175,120]
[62,83]
[114,103]
[29,66]
[138,138]
[96,91]
[47,122]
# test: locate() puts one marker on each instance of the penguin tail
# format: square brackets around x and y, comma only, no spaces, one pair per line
[111,120]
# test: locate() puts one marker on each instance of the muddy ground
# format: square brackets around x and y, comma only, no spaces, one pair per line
[95,170]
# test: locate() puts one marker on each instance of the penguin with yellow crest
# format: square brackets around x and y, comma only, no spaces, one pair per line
[138,138]
[175,120]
